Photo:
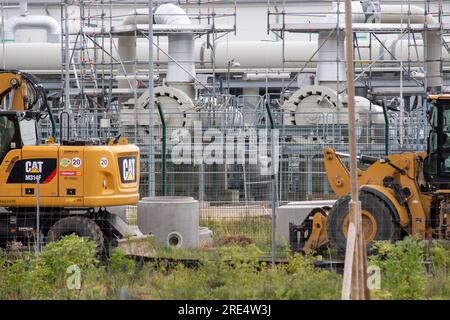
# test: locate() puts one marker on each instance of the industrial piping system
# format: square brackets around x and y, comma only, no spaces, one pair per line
[326,95]
[331,65]
[33,22]
[181,63]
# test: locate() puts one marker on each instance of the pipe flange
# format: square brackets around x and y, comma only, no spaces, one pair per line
[177,106]
[309,104]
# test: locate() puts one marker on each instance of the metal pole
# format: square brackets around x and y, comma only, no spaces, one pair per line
[402,102]
[201,183]
[163,156]
[386,131]
[354,283]
[38,218]
[67,59]
[3,37]
[151,154]
[228,76]
[274,180]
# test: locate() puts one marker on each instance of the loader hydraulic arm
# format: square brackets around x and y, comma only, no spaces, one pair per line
[337,173]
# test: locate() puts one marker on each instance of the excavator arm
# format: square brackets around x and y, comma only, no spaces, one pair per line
[15,85]
[26,94]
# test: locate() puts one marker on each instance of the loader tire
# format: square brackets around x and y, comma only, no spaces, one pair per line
[377,218]
[80,226]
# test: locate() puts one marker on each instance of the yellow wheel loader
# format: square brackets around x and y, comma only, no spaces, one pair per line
[401,194]
[77,185]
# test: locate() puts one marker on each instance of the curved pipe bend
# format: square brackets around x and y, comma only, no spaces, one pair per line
[34,22]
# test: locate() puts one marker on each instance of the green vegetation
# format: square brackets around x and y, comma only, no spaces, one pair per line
[227,272]
[404,274]
[23,276]
[438,284]
[235,273]
[258,230]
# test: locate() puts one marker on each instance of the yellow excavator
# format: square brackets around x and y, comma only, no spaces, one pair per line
[77,185]
[401,194]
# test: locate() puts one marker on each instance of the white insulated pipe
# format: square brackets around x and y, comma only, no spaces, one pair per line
[331,65]
[251,55]
[331,56]
[33,22]
[126,47]
[432,40]
[181,47]
[33,56]
[261,54]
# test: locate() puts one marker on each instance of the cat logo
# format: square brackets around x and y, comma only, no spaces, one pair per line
[33,166]
[33,170]
[127,168]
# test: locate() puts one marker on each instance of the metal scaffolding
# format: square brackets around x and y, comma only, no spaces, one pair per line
[281,21]
[92,67]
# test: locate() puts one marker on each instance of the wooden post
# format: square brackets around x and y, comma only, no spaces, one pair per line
[355,278]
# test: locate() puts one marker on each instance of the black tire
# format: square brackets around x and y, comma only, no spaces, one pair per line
[81,226]
[386,227]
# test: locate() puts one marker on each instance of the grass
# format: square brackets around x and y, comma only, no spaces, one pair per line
[256,229]
[228,272]
[225,272]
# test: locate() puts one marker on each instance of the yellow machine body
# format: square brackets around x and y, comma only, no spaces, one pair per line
[403,194]
[75,184]
[70,176]
[418,204]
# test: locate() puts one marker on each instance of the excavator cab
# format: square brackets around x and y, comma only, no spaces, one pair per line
[17,129]
[437,164]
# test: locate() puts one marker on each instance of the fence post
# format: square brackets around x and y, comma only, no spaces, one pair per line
[38,217]
[151,155]
[164,147]
[274,179]
[386,131]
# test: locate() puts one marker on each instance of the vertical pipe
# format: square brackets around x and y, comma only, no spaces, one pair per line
[23,7]
[3,38]
[67,59]
[151,154]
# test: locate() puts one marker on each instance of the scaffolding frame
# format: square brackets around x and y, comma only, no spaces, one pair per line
[406,29]
[90,61]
